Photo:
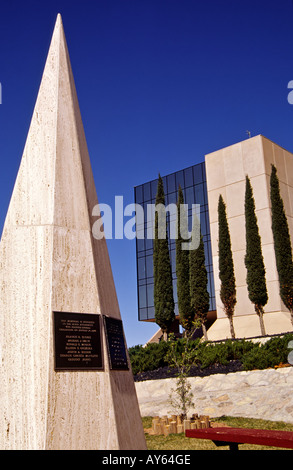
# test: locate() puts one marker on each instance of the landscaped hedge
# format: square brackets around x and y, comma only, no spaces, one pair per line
[252,355]
[149,358]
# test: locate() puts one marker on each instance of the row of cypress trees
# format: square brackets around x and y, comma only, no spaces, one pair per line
[163,284]
[256,281]
[192,293]
[282,242]
[192,280]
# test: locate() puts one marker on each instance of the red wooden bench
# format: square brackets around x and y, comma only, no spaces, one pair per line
[233,436]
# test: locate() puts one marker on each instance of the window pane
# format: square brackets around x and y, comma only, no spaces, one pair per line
[164,178]
[147,191]
[205,192]
[151,313]
[143,314]
[175,291]
[141,268]
[199,194]
[140,244]
[188,177]
[189,222]
[150,295]
[139,223]
[144,205]
[203,172]
[171,199]
[148,243]
[210,254]
[206,255]
[173,260]
[154,188]
[208,223]
[203,225]
[176,310]
[189,197]
[171,183]
[179,180]
[197,174]
[138,194]
[149,266]
[142,297]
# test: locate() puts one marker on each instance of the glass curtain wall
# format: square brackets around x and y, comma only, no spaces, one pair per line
[193,184]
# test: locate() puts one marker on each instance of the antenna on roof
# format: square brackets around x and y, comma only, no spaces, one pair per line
[248,133]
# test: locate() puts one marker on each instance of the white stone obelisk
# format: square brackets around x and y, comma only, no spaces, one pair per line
[49,261]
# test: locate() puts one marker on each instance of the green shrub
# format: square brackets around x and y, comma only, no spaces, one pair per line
[255,359]
[210,354]
[149,358]
[272,353]
[222,353]
[251,355]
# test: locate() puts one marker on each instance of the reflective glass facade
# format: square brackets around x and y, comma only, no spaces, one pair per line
[193,183]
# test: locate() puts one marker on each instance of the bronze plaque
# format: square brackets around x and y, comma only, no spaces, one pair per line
[115,344]
[77,338]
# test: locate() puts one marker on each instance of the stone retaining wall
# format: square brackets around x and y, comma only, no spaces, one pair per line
[266,394]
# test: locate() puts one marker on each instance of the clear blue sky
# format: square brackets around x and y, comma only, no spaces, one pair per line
[160,84]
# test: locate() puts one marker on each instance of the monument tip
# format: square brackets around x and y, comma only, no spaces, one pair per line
[59,19]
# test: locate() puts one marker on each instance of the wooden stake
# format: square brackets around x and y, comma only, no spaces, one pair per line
[207,421]
[186,424]
[180,428]
[173,426]
[157,429]
[167,429]
[155,422]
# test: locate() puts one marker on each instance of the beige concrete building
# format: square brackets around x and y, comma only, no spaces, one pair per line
[226,170]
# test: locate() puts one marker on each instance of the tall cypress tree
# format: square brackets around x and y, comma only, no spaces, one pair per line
[226,266]
[182,266]
[282,243]
[199,295]
[256,280]
[163,284]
